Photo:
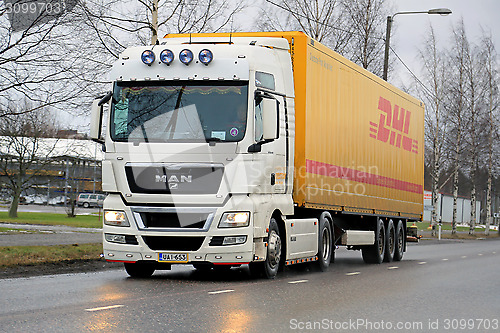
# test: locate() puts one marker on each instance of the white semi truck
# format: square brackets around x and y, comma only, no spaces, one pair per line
[265,149]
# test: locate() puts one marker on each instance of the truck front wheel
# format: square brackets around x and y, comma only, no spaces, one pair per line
[270,266]
[139,269]
[374,254]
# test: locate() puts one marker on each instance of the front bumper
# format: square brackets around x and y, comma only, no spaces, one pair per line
[198,243]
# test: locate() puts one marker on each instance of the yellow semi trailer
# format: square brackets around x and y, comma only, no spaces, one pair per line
[265,149]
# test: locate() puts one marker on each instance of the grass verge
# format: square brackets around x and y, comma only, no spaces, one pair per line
[462,232]
[80,221]
[35,255]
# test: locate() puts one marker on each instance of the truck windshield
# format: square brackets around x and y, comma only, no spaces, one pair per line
[180,112]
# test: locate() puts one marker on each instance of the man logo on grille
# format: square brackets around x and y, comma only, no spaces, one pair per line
[173,181]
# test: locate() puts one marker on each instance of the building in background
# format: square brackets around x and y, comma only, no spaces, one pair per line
[71,166]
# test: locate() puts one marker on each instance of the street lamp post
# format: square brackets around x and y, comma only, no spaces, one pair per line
[440,11]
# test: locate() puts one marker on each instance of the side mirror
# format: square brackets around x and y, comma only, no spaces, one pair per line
[96,121]
[270,119]
[96,117]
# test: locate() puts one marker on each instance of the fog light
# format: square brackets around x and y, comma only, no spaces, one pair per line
[115,238]
[233,240]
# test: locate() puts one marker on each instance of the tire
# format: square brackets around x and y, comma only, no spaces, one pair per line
[86,205]
[325,242]
[374,254]
[400,241]
[139,269]
[390,241]
[269,268]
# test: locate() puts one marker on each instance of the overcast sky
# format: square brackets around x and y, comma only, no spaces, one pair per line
[410,32]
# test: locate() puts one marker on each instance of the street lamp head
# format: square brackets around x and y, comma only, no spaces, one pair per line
[440,11]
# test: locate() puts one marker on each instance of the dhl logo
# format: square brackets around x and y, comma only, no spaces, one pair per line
[393,126]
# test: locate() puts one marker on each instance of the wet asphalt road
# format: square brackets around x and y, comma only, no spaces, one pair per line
[435,286]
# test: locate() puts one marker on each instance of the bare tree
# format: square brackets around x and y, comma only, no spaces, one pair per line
[323,20]
[367,22]
[118,24]
[457,107]
[474,131]
[490,65]
[41,61]
[434,69]
[24,152]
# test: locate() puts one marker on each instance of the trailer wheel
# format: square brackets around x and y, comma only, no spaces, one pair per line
[390,242]
[325,243]
[400,241]
[139,269]
[86,205]
[374,254]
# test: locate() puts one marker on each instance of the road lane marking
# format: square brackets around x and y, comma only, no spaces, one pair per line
[479,254]
[353,273]
[298,281]
[494,252]
[445,259]
[105,308]
[463,257]
[422,263]
[393,267]
[220,291]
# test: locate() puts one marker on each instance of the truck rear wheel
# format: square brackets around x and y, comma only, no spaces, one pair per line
[400,241]
[139,269]
[325,243]
[374,254]
[390,242]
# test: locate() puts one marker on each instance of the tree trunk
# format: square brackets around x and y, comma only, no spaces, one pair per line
[14,204]
[455,197]
[472,228]
[435,191]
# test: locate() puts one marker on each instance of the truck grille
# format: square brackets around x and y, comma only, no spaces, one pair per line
[174,220]
[173,243]
[174,178]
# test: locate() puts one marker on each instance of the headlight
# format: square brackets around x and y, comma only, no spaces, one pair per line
[234,220]
[205,56]
[186,56]
[148,57]
[115,218]
[166,56]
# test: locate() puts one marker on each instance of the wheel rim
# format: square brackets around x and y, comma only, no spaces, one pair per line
[391,241]
[326,243]
[400,240]
[381,241]
[274,249]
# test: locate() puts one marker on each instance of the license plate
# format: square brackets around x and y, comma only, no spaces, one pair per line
[173,257]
